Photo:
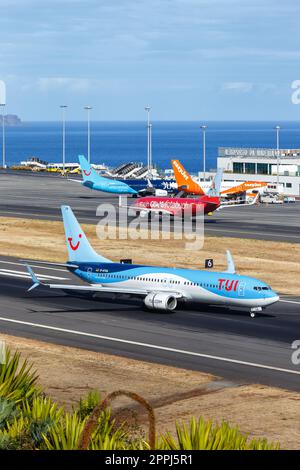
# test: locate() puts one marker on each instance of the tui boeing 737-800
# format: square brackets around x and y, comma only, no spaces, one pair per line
[92,180]
[160,288]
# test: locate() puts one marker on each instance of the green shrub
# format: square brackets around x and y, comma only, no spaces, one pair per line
[30,420]
[88,403]
[204,435]
[17,380]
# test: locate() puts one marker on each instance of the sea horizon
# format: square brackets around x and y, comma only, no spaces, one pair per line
[115,142]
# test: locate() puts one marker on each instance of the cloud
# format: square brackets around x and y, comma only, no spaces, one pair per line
[79,85]
[238,87]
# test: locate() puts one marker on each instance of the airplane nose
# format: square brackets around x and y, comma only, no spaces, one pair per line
[274,298]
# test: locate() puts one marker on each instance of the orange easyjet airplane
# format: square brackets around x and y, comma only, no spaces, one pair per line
[188,185]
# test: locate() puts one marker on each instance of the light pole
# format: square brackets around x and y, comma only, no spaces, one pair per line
[3,137]
[277,128]
[148,109]
[88,109]
[150,148]
[204,150]
[63,108]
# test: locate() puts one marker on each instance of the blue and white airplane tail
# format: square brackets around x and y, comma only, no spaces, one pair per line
[79,248]
[93,180]
[88,172]
[215,189]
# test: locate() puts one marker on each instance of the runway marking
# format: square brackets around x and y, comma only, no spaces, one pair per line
[10,272]
[24,214]
[38,216]
[290,301]
[151,346]
[270,234]
[24,276]
[33,265]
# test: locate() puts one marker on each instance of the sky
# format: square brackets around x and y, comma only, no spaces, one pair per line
[187,59]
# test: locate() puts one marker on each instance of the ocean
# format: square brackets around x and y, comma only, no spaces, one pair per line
[113,143]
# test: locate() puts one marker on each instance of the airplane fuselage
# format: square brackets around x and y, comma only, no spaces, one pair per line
[217,288]
[177,206]
[109,186]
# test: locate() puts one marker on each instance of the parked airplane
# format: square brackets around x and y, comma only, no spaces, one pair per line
[188,206]
[160,288]
[186,183]
[92,180]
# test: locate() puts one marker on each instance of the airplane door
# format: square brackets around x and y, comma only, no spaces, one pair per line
[89,274]
[241,289]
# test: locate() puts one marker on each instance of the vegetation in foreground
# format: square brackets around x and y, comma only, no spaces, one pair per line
[31,420]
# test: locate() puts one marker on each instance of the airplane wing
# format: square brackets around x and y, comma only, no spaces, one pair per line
[246,204]
[97,287]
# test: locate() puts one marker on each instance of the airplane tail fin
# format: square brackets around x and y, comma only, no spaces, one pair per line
[215,189]
[88,173]
[183,179]
[79,248]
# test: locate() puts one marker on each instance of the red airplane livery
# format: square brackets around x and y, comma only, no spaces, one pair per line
[178,206]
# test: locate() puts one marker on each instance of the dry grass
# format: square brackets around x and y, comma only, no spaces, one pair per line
[67,374]
[275,263]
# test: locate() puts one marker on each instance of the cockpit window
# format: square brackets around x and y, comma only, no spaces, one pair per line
[259,288]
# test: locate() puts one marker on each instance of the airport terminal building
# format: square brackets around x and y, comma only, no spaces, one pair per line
[262,164]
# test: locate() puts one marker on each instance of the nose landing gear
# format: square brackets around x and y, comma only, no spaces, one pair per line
[254,310]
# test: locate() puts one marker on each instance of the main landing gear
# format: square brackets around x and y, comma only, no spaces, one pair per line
[254,310]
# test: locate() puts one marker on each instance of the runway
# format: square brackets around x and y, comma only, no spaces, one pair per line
[37,195]
[226,343]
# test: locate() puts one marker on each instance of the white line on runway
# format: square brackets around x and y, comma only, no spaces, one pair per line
[33,265]
[290,301]
[151,346]
[26,214]
[242,232]
[10,272]
[21,276]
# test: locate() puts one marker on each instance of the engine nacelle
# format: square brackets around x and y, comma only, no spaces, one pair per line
[160,301]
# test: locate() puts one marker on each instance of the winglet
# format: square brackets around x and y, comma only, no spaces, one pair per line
[35,280]
[230,263]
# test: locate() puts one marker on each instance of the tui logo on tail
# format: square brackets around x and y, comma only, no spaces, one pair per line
[74,247]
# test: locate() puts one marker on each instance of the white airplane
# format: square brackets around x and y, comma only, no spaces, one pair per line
[160,288]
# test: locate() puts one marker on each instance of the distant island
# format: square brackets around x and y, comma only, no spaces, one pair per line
[11,120]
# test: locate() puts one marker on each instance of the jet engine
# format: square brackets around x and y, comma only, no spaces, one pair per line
[160,301]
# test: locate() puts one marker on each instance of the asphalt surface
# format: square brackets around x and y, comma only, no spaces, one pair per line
[37,195]
[226,343]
